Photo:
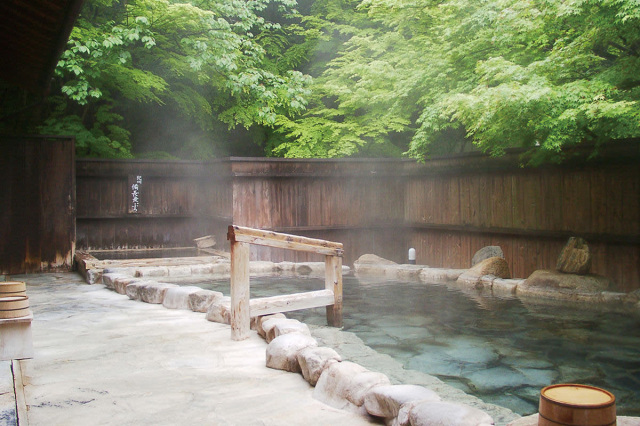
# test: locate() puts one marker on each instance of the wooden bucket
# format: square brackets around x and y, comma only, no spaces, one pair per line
[14,307]
[570,404]
[13,288]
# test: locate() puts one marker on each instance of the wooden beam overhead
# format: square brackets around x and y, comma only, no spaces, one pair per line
[34,33]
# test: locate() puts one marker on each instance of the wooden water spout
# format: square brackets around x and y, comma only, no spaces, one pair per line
[242,307]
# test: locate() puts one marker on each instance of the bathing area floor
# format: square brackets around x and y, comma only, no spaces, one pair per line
[103,359]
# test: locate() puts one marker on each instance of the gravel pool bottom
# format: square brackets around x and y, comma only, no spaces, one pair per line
[498,349]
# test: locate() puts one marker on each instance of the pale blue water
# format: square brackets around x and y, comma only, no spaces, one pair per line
[500,350]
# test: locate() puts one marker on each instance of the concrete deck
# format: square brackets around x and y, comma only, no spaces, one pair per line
[102,359]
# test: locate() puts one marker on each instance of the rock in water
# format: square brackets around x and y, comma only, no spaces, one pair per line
[372,259]
[486,253]
[575,257]
[496,266]
[570,282]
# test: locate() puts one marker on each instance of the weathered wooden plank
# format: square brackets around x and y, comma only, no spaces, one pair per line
[290,302]
[286,241]
[239,289]
[333,284]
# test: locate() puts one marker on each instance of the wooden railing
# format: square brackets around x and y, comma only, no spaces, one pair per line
[242,307]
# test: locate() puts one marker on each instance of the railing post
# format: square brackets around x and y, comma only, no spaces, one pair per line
[333,282]
[240,316]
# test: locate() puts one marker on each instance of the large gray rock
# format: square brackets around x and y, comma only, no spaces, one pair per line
[282,352]
[201,300]
[262,267]
[268,326]
[286,326]
[483,273]
[385,401]
[307,268]
[486,253]
[154,293]
[575,257]
[570,282]
[370,264]
[178,297]
[120,283]
[179,270]
[314,360]
[495,266]
[434,275]
[431,413]
[220,311]
[109,279]
[263,319]
[372,259]
[132,290]
[152,271]
[344,385]
[202,269]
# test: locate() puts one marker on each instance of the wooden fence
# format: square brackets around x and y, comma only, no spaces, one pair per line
[150,204]
[446,208]
[37,228]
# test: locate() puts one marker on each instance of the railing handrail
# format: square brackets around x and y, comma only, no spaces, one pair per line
[287,241]
[241,238]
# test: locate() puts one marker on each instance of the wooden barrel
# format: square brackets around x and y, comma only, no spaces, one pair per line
[14,307]
[13,288]
[570,404]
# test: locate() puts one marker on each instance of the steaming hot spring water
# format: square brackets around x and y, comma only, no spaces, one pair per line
[498,349]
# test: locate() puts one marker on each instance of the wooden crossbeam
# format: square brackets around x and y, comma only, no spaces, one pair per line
[275,239]
[290,302]
[242,307]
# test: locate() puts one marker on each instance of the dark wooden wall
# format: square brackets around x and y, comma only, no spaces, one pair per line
[150,204]
[530,213]
[447,208]
[359,203]
[37,223]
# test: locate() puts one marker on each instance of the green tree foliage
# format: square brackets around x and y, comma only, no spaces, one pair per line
[335,78]
[430,75]
[203,62]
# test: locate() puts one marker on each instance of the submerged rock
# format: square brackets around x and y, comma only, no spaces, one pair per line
[575,257]
[546,279]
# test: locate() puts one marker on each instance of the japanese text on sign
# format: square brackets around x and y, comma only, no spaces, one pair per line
[135,194]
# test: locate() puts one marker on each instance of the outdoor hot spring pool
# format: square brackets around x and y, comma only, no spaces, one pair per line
[499,349]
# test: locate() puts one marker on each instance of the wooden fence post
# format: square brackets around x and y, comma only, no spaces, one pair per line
[240,316]
[333,282]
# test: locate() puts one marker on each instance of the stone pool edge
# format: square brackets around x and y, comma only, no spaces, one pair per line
[146,274]
[143,283]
